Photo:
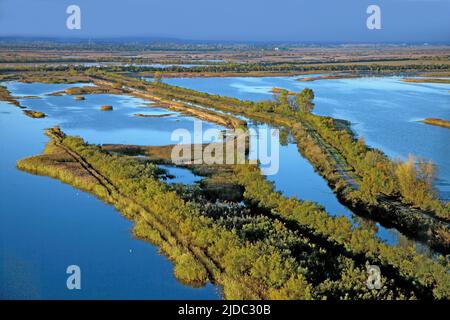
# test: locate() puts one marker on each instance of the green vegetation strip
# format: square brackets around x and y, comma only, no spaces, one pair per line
[273,248]
[396,193]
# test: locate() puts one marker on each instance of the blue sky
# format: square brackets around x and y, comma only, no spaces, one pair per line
[239,20]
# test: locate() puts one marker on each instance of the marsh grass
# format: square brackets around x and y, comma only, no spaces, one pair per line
[273,247]
[34,114]
[106,108]
[437,122]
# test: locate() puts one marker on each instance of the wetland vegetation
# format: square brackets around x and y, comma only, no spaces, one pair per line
[34,114]
[232,228]
[437,122]
[106,108]
[272,247]
[364,178]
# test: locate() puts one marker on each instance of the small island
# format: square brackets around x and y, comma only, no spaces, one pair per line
[106,108]
[281,90]
[143,115]
[426,80]
[34,114]
[437,122]
[328,77]
[79,98]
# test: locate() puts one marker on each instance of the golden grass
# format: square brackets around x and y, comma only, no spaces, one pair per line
[34,114]
[106,108]
[437,122]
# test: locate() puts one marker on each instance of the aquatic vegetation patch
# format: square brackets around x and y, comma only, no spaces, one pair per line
[106,108]
[34,114]
[437,122]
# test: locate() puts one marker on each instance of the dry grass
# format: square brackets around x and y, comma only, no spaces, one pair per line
[34,114]
[437,122]
[106,108]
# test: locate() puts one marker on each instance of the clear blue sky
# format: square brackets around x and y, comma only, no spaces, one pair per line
[240,20]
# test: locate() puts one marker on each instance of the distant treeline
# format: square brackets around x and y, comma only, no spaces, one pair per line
[370,67]
[173,44]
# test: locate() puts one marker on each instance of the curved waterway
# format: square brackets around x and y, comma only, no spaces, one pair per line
[353,100]
[46,225]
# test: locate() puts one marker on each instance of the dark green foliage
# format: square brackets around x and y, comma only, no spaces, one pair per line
[304,100]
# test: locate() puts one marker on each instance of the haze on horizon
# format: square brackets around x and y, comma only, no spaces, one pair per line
[231,20]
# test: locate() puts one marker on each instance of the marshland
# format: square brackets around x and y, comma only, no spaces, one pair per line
[347,194]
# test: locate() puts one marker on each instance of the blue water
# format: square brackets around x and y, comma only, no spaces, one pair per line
[149,65]
[37,88]
[180,175]
[84,118]
[45,225]
[383,110]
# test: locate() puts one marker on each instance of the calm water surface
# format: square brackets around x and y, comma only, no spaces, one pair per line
[180,175]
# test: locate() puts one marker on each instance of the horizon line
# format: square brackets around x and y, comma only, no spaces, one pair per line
[160,39]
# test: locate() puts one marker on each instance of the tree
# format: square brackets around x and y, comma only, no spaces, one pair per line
[295,288]
[415,180]
[281,96]
[304,100]
[157,77]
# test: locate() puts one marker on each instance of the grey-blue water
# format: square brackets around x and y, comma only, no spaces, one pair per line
[383,110]
[45,225]
[180,175]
